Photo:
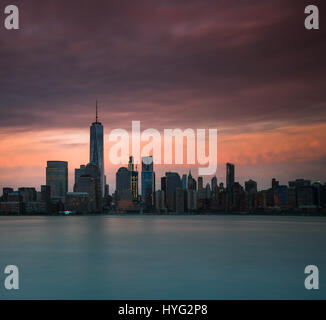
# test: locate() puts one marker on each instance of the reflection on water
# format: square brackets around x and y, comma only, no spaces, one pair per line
[163,257]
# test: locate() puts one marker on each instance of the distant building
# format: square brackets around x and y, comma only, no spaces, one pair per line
[229,176]
[78,202]
[163,187]
[5,193]
[229,182]
[45,193]
[159,200]
[57,178]
[238,197]
[184,181]
[275,183]
[173,182]
[11,207]
[94,171]
[292,197]
[28,194]
[148,181]
[214,184]
[123,180]
[107,191]
[191,200]
[251,186]
[133,179]
[15,197]
[179,200]
[35,207]
[200,183]
[281,196]
[208,191]
[90,183]
[79,172]
[192,184]
[305,196]
[97,149]
[299,183]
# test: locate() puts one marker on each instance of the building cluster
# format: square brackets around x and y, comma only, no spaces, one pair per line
[188,195]
[176,194]
[90,192]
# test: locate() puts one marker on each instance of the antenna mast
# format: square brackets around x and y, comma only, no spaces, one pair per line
[96,112]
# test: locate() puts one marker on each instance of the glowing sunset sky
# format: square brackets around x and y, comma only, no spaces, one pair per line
[247,68]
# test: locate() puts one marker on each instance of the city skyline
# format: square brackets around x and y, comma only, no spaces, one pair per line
[247,69]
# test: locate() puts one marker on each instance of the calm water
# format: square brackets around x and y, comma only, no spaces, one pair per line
[161,257]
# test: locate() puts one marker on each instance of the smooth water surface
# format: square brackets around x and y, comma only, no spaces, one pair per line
[163,257]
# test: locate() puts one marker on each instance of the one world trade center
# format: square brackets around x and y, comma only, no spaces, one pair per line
[96,146]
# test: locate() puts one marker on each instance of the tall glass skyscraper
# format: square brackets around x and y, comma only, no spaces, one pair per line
[57,178]
[147,180]
[229,176]
[96,147]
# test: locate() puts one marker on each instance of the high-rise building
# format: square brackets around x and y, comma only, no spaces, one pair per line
[229,182]
[184,181]
[208,191]
[179,205]
[79,172]
[191,200]
[251,186]
[96,148]
[123,180]
[229,176]
[28,194]
[299,183]
[147,180]
[46,194]
[173,182]
[200,183]
[131,163]
[6,192]
[192,184]
[163,187]
[159,200]
[214,184]
[106,191]
[275,183]
[57,178]
[133,179]
[90,182]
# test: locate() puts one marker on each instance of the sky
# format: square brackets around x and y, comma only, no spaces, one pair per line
[248,68]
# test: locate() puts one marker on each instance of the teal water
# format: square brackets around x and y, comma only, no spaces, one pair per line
[163,257]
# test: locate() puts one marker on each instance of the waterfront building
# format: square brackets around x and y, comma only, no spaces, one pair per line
[97,149]
[57,178]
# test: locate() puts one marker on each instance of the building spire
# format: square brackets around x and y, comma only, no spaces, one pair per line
[96,112]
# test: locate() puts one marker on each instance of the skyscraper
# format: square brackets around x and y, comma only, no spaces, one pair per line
[147,180]
[251,186]
[229,182]
[184,181]
[229,176]
[79,172]
[134,179]
[173,182]
[200,183]
[214,184]
[96,147]
[192,184]
[123,180]
[90,182]
[57,178]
